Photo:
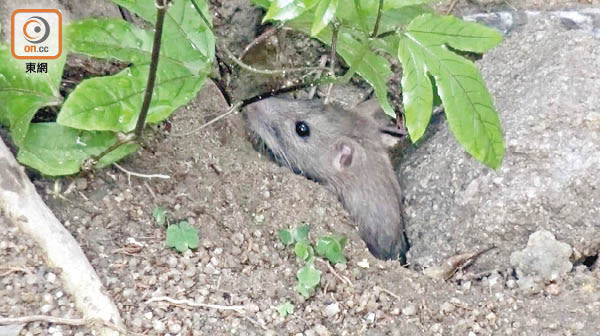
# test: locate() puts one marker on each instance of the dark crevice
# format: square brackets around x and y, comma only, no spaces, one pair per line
[589,261]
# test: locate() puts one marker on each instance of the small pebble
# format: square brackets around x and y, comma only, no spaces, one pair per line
[158,325]
[174,328]
[252,307]
[50,277]
[237,238]
[48,298]
[447,308]
[321,330]
[553,289]
[136,322]
[409,310]
[363,263]
[332,309]
[172,262]
[45,309]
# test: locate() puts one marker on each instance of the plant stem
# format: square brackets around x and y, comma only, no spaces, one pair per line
[122,139]
[386,34]
[379,9]
[334,37]
[303,85]
[161,9]
[267,72]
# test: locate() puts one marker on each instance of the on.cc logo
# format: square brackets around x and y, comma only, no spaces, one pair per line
[33,31]
[36,33]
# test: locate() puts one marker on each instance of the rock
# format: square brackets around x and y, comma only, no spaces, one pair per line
[447,308]
[331,310]
[548,177]
[321,330]
[158,326]
[544,256]
[174,328]
[409,310]
[237,238]
[553,289]
[363,263]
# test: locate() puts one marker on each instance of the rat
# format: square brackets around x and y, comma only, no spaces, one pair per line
[343,151]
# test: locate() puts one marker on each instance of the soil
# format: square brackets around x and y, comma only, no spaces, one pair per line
[238,200]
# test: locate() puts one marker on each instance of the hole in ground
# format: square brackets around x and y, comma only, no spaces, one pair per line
[589,261]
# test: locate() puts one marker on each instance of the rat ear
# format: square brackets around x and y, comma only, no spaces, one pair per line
[343,154]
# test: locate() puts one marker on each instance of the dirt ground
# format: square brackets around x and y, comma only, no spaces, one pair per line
[238,200]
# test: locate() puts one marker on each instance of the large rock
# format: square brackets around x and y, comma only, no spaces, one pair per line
[544,256]
[545,78]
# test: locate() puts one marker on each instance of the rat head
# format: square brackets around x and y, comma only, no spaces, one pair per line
[343,150]
[319,141]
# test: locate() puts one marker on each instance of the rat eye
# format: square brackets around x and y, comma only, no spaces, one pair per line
[302,129]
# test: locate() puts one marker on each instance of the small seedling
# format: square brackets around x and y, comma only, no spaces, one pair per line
[160,216]
[331,248]
[308,279]
[285,309]
[291,236]
[304,251]
[182,236]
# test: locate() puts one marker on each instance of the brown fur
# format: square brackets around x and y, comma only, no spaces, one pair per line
[345,153]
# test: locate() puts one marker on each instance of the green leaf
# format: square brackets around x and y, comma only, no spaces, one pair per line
[308,278]
[286,237]
[301,233]
[324,14]
[371,67]
[303,250]
[57,150]
[22,94]
[184,27]
[284,10]
[331,247]
[160,215]
[391,18]
[262,3]
[467,102]
[394,4]
[285,309]
[417,94]
[182,237]
[360,16]
[109,38]
[113,103]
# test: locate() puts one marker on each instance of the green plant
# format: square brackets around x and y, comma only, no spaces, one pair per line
[330,247]
[426,45]
[160,216]
[100,109]
[182,236]
[285,309]
[308,279]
